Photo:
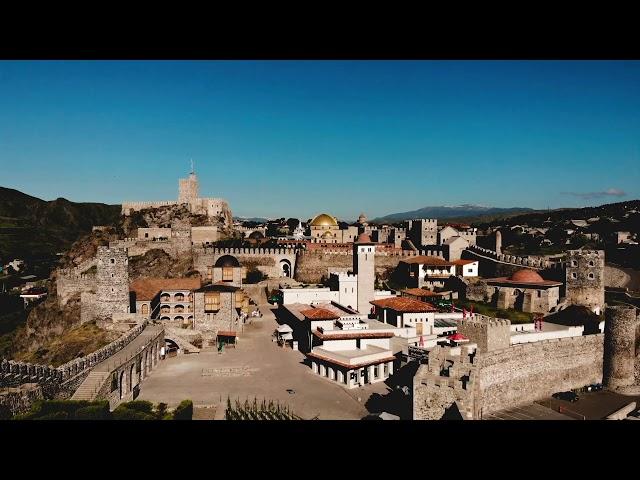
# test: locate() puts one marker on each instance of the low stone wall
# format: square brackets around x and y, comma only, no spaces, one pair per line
[524,373]
[19,400]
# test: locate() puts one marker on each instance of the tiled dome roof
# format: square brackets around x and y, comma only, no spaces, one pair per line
[526,275]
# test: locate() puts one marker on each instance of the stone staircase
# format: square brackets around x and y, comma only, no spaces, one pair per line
[91,385]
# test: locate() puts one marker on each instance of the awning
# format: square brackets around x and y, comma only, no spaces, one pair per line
[286,336]
[284,329]
[457,337]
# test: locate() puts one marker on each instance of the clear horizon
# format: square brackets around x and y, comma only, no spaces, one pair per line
[297,138]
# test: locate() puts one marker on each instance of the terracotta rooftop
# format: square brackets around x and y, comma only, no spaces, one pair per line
[319,314]
[525,276]
[421,292]
[463,262]
[428,260]
[351,335]
[147,288]
[404,304]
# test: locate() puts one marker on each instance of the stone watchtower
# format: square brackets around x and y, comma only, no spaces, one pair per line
[498,246]
[620,368]
[188,189]
[364,265]
[112,282]
[487,332]
[423,231]
[584,279]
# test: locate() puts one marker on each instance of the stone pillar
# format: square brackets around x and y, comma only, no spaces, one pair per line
[620,327]
[340,376]
[371,372]
[323,370]
[332,374]
[390,368]
[314,367]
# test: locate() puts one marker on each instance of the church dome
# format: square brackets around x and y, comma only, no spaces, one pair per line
[526,275]
[324,220]
[227,261]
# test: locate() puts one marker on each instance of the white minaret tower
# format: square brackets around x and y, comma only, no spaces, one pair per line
[364,265]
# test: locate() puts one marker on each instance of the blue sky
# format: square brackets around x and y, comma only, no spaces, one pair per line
[294,138]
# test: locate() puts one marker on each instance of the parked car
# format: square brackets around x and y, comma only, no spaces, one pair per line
[567,396]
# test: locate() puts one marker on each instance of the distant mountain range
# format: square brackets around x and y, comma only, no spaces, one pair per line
[461,212]
[31,227]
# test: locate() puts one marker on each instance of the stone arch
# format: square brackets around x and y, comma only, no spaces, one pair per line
[285,268]
[123,383]
[132,371]
[165,318]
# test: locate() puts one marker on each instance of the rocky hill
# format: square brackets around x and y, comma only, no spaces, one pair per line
[32,228]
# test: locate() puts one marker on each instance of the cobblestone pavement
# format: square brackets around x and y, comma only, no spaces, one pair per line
[257,367]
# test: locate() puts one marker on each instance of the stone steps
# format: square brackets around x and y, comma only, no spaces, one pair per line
[89,388]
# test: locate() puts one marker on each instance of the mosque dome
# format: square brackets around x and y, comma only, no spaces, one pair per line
[526,275]
[324,220]
[227,261]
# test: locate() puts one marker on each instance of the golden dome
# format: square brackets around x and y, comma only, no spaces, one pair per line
[324,220]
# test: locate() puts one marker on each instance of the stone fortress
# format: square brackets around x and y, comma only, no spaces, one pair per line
[188,193]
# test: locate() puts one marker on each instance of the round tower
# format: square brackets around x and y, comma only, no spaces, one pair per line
[112,282]
[618,364]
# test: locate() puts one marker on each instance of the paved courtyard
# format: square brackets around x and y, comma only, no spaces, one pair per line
[257,367]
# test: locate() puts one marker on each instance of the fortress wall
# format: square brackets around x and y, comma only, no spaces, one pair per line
[69,285]
[268,260]
[527,372]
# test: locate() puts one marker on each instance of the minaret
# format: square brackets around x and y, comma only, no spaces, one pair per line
[364,265]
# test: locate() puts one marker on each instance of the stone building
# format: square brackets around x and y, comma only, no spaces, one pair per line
[167,299]
[525,290]
[422,231]
[218,308]
[226,270]
[424,271]
[585,278]
[324,228]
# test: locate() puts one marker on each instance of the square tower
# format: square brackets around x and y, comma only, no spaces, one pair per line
[112,282]
[422,231]
[364,266]
[188,189]
[584,277]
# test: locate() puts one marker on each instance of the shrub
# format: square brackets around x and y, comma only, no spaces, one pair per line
[254,276]
[161,411]
[139,406]
[124,413]
[60,415]
[184,411]
[47,407]
[100,411]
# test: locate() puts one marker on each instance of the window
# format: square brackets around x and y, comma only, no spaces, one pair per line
[146,235]
[210,273]
[591,264]
[469,270]
[227,274]
[591,276]
[113,260]
[239,297]
[211,301]
[574,275]
[574,263]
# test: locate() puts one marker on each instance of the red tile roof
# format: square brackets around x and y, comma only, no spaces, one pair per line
[226,333]
[463,262]
[147,288]
[319,314]
[428,260]
[404,304]
[421,292]
[352,335]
